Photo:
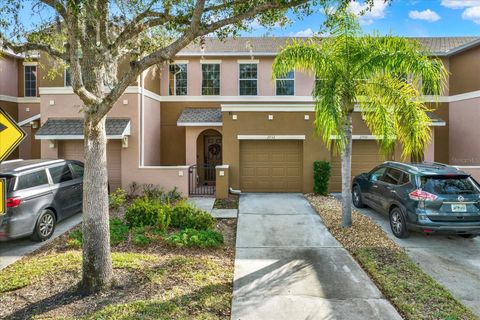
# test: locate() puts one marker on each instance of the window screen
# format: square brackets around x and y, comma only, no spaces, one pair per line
[248,79]
[286,85]
[211,79]
[30,81]
[178,80]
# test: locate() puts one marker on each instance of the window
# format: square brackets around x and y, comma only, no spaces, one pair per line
[178,80]
[77,170]
[377,174]
[68,77]
[405,178]
[30,78]
[248,79]
[286,85]
[211,79]
[393,176]
[60,174]
[30,180]
[449,185]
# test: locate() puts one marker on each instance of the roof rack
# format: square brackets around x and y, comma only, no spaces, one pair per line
[10,161]
[402,164]
[38,165]
[439,164]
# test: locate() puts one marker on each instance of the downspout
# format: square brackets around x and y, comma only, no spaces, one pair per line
[142,120]
[233,191]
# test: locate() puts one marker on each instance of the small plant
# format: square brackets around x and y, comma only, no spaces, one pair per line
[172,196]
[186,216]
[141,240]
[133,190]
[321,177]
[152,192]
[196,238]
[118,231]
[147,212]
[117,199]
[75,239]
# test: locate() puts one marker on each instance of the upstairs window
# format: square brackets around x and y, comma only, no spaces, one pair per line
[178,80]
[286,85]
[30,77]
[68,77]
[248,79]
[210,79]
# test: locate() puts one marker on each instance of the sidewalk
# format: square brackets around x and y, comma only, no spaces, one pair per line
[288,266]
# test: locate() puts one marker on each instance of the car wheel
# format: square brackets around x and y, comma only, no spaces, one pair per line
[357,197]
[45,226]
[468,236]
[398,223]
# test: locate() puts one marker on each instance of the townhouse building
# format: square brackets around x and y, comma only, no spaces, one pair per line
[214,119]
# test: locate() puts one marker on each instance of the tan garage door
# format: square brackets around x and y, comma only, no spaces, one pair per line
[271,166]
[365,156]
[73,150]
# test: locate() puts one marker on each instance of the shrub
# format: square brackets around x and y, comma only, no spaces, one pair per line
[172,196]
[152,192]
[75,238]
[139,237]
[117,199]
[133,190]
[321,177]
[118,231]
[147,212]
[196,238]
[186,216]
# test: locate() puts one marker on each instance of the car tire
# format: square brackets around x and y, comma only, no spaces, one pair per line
[44,227]
[357,197]
[398,223]
[468,236]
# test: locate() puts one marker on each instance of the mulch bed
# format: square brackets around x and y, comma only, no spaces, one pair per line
[230,203]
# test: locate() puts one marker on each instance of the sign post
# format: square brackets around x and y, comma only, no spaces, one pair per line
[10,135]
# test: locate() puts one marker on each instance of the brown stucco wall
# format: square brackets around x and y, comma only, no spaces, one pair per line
[152,132]
[8,76]
[464,139]
[151,80]
[441,136]
[464,69]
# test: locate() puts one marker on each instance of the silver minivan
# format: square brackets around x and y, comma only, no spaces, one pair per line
[40,193]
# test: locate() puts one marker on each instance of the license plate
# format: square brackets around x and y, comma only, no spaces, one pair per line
[459,208]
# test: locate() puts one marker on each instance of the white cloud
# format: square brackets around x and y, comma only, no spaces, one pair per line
[472,13]
[377,11]
[303,33]
[460,4]
[427,15]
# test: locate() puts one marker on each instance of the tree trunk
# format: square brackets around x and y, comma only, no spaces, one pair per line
[347,174]
[97,261]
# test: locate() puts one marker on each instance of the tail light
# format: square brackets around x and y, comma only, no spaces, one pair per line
[420,195]
[13,202]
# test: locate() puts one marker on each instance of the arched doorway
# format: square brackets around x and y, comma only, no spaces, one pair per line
[209,155]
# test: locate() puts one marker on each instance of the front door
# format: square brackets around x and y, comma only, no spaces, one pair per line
[213,155]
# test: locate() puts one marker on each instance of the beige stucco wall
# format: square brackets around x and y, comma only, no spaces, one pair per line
[151,132]
[464,69]
[8,76]
[192,153]
[464,137]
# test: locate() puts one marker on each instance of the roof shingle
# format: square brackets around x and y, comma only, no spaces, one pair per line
[200,115]
[74,127]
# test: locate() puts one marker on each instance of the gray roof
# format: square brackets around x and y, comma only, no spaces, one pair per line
[205,116]
[74,127]
[272,45]
[435,118]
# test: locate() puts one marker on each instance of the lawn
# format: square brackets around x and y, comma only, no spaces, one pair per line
[414,293]
[172,273]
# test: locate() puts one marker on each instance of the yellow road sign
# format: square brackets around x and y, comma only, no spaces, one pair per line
[10,135]
[3,196]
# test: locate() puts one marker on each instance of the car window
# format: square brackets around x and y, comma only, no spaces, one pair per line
[60,174]
[30,180]
[449,185]
[405,178]
[377,174]
[393,176]
[77,170]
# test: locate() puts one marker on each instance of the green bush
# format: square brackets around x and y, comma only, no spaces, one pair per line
[321,177]
[139,237]
[196,238]
[152,192]
[147,212]
[75,238]
[186,216]
[117,199]
[118,231]
[172,196]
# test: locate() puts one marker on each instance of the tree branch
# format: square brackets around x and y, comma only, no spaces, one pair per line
[31,46]
[57,6]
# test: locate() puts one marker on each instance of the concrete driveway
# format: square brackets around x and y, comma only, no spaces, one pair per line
[14,250]
[288,266]
[452,261]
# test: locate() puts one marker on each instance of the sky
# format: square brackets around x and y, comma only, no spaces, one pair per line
[415,18]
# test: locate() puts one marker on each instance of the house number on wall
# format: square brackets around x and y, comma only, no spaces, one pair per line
[271,137]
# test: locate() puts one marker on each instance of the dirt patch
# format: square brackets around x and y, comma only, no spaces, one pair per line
[230,203]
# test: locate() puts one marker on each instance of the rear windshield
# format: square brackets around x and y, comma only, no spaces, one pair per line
[449,185]
[9,181]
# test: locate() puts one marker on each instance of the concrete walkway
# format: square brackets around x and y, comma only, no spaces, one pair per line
[14,250]
[288,266]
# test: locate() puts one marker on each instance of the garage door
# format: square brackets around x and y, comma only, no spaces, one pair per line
[73,150]
[271,166]
[365,156]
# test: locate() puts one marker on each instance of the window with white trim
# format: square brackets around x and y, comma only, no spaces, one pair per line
[285,86]
[68,77]
[178,79]
[248,79]
[210,79]
[30,81]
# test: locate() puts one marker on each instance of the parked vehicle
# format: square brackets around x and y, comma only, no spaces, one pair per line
[40,193]
[425,197]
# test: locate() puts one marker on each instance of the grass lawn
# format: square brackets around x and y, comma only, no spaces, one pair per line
[414,293]
[154,281]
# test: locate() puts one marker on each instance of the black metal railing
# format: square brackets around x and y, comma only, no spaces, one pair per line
[201,180]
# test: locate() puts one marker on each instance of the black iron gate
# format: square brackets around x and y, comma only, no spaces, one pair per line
[201,180]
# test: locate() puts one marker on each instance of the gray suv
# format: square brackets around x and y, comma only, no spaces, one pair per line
[40,193]
[425,197]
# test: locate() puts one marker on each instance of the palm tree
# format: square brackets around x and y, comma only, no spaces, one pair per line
[381,75]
